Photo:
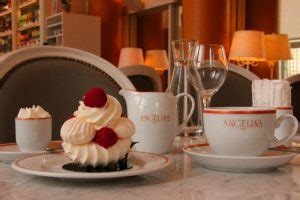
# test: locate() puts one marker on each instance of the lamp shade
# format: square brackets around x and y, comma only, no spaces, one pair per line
[131,56]
[157,59]
[277,47]
[248,46]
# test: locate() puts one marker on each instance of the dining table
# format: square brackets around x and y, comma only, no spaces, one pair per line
[183,179]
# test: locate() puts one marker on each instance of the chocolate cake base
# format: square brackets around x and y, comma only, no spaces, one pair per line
[113,167]
[121,165]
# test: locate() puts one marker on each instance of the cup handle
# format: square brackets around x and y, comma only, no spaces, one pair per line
[185,120]
[277,142]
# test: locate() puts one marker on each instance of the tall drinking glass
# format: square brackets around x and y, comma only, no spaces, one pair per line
[182,51]
[208,71]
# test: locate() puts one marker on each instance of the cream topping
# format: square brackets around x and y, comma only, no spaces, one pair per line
[34,112]
[105,116]
[93,154]
[124,128]
[77,131]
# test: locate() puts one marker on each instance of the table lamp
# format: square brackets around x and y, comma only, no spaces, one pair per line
[277,48]
[157,59]
[131,56]
[248,48]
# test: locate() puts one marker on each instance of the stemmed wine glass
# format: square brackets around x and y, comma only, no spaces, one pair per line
[207,71]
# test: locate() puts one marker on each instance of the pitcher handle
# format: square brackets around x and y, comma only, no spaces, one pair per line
[276,142]
[185,120]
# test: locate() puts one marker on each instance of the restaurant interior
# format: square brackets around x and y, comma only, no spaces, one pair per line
[149,99]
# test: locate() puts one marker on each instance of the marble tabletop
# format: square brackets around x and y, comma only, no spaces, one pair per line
[184,179]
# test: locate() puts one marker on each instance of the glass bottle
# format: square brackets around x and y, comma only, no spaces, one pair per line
[182,50]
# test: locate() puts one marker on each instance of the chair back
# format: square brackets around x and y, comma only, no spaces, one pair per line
[143,77]
[56,78]
[295,84]
[237,89]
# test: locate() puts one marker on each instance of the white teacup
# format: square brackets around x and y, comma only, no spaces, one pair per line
[244,131]
[33,134]
[286,126]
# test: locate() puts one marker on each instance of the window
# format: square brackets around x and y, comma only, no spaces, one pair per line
[291,67]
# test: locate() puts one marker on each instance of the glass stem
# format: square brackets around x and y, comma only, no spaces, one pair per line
[200,108]
[199,112]
[206,102]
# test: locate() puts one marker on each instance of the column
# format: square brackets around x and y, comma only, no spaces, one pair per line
[111,13]
[208,21]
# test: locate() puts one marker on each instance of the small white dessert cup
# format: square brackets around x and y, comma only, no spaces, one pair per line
[33,134]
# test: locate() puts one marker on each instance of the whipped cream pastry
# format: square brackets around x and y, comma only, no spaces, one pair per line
[97,135]
[35,112]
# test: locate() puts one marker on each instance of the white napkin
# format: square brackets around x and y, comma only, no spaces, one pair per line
[271,93]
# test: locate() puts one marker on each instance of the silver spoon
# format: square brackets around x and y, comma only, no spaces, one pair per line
[52,150]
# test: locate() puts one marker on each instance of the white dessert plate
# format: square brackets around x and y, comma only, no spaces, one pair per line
[10,152]
[50,165]
[268,161]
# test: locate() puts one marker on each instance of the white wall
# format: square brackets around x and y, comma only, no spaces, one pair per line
[289,17]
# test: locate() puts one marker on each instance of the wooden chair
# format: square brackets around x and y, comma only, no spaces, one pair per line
[56,78]
[143,77]
[237,89]
[295,84]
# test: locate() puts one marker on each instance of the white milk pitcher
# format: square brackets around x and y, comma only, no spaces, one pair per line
[155,116]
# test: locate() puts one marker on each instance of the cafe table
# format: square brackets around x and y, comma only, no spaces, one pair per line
[183,179]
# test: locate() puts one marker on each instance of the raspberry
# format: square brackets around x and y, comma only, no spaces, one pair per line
[106,137]
[95,98]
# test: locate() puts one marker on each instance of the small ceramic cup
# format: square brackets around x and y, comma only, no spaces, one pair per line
[283,131]
[245,131]
[33,134]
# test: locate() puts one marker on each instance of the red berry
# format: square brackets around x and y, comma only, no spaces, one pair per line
[95,98]
[106,137]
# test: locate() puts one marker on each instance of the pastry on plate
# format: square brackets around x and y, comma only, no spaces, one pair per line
[97,136]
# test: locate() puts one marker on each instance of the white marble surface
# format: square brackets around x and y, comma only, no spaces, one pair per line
[184,179]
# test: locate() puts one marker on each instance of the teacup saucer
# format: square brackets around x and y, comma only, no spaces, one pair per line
[10,151]
[209,159]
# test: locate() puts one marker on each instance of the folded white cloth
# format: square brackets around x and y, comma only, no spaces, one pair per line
[271,93]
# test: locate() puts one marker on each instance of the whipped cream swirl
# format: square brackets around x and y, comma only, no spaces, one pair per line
[35,112]
[124,128]
[77,131]
[92,154]
[105,116]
